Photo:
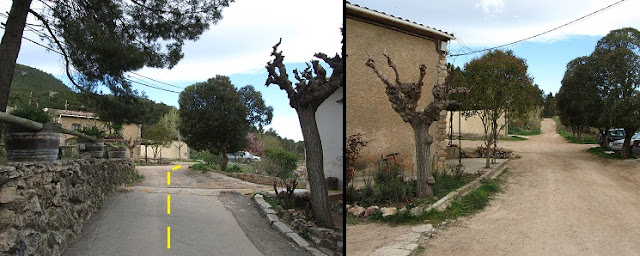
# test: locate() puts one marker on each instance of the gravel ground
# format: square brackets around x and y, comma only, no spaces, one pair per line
[557,200]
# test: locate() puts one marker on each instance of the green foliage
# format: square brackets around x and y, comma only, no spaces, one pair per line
[286,162]
[548,106]
[236,168]
[599,151]
[469,204]
[31,83]
[158,135]
[105,39]
[32,113]
[569,136]
[202,167]
[92,130]
[212,116]
[211,158]
[524,132]
[499,86]
[513,138]
[259,114]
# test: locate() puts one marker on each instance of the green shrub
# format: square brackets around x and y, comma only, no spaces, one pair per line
[211,158]
[390,186]
[235,168]
[30,112]
[92,130]
[284,161]
[202,167]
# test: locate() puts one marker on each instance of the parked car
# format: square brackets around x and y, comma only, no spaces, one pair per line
[615,134]
[617,144]
[243,157]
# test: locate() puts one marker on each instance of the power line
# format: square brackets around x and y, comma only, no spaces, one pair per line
[148,85]
[60,53]
[545,32]
[156,80]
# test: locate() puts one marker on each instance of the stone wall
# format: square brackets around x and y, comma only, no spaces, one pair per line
[43,205]
[260,179]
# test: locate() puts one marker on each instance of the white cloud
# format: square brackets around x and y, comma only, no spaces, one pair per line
[491,6]
[241,42]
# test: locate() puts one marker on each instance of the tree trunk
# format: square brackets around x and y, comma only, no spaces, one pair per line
[423,141]
[225,159]
[605,138]
[626,146]
[488,143]
[10,47]
[495,142]
[315,169]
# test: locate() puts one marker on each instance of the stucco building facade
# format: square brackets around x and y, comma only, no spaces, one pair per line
[72,120]
[329,117]
[368,110]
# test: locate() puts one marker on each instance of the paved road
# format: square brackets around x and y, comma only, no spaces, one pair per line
[558,200]
[204,219]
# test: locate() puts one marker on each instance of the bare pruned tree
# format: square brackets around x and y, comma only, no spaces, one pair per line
[313,88]
[404,100]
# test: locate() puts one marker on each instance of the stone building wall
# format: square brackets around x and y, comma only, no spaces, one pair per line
[43,205]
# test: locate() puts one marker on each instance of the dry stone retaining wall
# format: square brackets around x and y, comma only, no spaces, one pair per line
[43,205]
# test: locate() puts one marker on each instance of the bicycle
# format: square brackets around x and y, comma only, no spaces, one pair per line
[388,163]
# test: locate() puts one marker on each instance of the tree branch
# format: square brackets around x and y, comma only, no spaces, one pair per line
[280,78]
[45,22]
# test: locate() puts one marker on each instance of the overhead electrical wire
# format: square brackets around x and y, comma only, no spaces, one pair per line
[539,34]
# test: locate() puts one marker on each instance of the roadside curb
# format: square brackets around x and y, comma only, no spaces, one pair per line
[444,202]
[284,229]
[408,243]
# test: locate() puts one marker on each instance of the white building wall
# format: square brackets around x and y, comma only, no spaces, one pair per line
[330,120]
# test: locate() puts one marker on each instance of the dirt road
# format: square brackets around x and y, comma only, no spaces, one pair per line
[557,200]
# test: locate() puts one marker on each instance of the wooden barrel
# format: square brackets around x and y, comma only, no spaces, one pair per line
[25,146]
[117,153]
[96,148]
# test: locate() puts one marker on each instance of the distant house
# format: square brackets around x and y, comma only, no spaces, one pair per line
[471,127]
[177,150]
[73,120]
[329,117]
[369,112]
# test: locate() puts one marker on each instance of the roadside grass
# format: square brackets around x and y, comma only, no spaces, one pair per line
[137,177]
[272,201]
[202,167]
[467,205]
[568,135]
[588,138]
[141,163]
[524,132]
[513,138]
[353,220]
[600,152]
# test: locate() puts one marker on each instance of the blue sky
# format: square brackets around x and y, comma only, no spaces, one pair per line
[238,46]
[480,24]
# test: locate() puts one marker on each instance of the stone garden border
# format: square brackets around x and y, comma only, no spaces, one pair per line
[408,243]
[283,228]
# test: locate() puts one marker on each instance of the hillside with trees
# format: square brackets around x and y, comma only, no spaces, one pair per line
[38,86]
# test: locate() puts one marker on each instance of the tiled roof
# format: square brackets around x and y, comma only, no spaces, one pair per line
[400,20]
[82,114]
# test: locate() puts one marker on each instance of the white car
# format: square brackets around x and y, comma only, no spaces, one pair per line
[243,157]
[617,144]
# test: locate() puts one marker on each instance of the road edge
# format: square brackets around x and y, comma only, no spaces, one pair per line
[283,228]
